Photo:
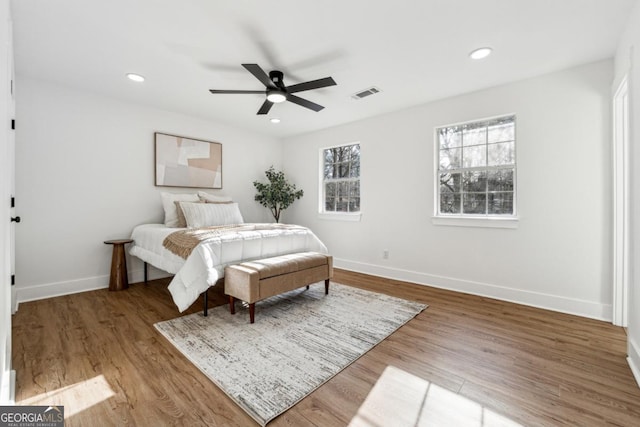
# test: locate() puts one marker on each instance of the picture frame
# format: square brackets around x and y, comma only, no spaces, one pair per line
[187,162]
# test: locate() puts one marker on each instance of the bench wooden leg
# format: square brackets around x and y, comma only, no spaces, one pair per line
[232,305]
[326,287]
[252,312]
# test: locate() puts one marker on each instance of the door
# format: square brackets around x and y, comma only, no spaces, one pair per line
[6,183]
[11,158]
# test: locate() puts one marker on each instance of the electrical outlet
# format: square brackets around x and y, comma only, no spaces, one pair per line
[385,254]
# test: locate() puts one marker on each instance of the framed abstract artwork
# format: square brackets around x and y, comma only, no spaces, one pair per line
[187,162]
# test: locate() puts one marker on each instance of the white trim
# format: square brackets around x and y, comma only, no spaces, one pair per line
[56,289]
[482,119]
[340,216]
[436,168]
[634,359]
[621,200]
[561,304]
[485,222]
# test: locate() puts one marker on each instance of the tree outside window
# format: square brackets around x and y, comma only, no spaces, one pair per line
[477,168]
[341,178]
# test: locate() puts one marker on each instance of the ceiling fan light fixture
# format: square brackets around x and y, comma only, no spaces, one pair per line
[277,91]
[276,96]
[135,77]
[480,53]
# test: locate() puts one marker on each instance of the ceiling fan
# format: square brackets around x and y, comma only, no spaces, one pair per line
[276,90]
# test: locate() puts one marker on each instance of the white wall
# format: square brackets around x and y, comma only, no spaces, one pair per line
[558,257]
[85,174]
[626,61]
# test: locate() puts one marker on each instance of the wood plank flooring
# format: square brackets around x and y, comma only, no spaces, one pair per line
[98,354]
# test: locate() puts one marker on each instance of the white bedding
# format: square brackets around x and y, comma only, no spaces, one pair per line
[206,263]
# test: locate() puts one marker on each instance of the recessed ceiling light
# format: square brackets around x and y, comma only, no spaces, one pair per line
[135,77]
[483,52]
[275,120]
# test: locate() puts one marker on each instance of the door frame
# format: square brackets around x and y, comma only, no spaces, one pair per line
[621,201]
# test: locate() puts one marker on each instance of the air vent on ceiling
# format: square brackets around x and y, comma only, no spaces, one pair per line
[364,93]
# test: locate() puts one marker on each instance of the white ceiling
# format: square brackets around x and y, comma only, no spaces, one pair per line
[415,51]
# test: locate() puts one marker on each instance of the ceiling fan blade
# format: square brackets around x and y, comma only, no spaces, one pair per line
[265,107]
[259,74]
[314,84]
[236,91]
[304,103]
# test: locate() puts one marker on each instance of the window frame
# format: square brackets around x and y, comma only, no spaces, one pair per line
[332,215]
[486,220]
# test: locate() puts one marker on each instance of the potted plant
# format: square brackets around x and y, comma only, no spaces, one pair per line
[278,194]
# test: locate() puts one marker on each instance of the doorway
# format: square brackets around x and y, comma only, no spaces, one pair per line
[7,108]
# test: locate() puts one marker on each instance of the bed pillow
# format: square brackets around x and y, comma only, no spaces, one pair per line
[170,211]
[210,214]
[211,198]
[182,221]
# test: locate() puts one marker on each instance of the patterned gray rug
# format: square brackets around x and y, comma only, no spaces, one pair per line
[299,341]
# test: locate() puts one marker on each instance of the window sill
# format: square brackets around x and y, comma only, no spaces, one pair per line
[484,222]
[340,216]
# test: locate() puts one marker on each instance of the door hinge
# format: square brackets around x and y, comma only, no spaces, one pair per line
[13,279]
[13,202]
[13,124]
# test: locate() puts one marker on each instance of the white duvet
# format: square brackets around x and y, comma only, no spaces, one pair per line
[206,263]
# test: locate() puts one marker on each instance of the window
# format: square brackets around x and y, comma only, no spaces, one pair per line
[477,168]
[341,179]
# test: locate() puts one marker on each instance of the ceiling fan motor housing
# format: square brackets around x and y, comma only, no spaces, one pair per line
[277,77]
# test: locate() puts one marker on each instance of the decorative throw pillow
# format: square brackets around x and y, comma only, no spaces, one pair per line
[182,221]
[211,198]
[170,211]
[210,214]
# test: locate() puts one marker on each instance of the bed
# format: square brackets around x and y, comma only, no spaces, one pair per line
[204,267]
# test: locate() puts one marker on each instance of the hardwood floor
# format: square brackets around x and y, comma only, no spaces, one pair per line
[98,354]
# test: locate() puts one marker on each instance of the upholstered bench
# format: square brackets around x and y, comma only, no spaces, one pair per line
[253,281]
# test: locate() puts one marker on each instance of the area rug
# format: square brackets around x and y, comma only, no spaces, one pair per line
[299,341]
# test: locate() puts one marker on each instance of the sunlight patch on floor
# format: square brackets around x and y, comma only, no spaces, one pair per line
[401,399]
[76,397]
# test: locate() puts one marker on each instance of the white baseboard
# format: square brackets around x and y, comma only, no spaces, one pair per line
[137,275]
[634,359]
[56,289]
[535,299]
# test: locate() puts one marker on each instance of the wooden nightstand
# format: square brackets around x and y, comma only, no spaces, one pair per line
[118,280]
